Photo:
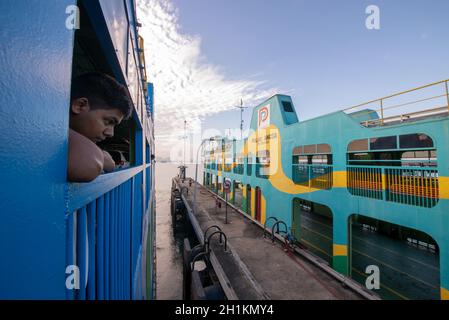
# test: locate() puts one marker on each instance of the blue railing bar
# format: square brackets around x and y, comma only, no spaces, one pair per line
[132,195]
[122,240]
[119,242]
[91,215]
[107,221]
[125,241]
[135,219]
[100,248]
[112,247]
[81,254]
[81,194]
[70,251]
[128,239]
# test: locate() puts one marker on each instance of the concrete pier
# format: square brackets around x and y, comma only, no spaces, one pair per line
[254,267]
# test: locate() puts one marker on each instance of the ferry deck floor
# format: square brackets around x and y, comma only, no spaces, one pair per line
[256,267]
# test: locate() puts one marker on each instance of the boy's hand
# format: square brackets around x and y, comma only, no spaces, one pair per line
[109,163]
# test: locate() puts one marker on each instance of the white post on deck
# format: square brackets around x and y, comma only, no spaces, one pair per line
[196,172]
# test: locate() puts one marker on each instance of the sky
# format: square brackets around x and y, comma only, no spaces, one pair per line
[204,56]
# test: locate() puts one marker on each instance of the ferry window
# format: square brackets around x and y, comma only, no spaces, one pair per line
[417,140]
[358,145]
[301,159]
[322,159]
[323,148]
[287,106]
[249,165]
[263,164]
[383,143]
[427,158]
[387,173]
[229,156]
[93,79]
[298,150]
[239,163]
[360,157]
[310,149]
[220,163]
[312,166]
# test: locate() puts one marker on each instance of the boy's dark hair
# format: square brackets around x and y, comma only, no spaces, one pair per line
[103,92]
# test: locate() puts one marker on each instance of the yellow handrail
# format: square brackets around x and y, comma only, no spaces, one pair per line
[400,93]
[382,100]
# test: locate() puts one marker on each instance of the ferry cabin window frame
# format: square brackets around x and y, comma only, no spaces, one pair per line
[89,56]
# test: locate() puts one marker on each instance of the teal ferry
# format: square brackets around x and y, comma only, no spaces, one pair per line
[365,189]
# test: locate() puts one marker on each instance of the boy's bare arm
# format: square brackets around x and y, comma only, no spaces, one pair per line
[86,160]
[109,163]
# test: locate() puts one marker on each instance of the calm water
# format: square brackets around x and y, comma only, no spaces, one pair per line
[168,245]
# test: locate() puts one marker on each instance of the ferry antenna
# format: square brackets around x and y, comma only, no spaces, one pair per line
[242,108]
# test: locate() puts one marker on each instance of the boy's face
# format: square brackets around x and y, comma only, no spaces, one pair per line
[96,125]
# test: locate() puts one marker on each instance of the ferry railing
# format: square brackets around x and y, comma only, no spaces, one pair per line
[104,236]
[238,169]
[318,176]
[406,185]
[262,170]
[365,181]
[249,169]
[413,186]
[435,94]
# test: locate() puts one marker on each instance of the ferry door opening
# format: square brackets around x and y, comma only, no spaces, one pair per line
[296,219]
[248,200]
[313,228]
[408,260]
[258,204]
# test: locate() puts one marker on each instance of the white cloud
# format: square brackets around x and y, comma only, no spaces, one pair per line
[187,87]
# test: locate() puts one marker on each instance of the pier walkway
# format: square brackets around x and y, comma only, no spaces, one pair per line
[253,266]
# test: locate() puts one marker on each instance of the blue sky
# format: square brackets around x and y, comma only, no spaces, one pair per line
[319,52]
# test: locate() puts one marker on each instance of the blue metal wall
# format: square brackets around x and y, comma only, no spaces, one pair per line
[35,72]
[48,223]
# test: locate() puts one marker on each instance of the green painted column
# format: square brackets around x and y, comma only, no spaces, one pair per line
[340,261]
[444,270]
